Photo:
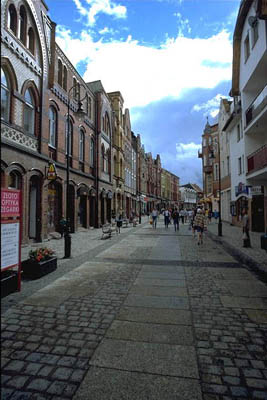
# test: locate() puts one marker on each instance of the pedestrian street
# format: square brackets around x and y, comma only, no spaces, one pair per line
[145,315]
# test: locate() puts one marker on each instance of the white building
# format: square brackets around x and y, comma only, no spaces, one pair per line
[249,84]
[188,197]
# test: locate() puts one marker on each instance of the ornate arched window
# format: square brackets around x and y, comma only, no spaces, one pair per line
[102,158]
[5,96]
[81,149]
[90,108]
[81,145]
[92,152]
[29,112]
[31,40]
[12,19]
[69,131]
[59,72]
[107,126]
[15,180]
[65,77]
[22,24]
[52,127]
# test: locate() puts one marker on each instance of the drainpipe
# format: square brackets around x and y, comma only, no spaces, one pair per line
[97,162]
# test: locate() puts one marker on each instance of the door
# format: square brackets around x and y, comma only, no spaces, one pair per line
[82,211]
[34,209]
[92,211]
[257,213]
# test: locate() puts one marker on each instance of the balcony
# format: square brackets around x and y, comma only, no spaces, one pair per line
[257,160]
[256,107]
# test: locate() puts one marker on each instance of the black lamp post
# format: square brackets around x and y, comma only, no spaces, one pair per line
[220,198]
[80,114]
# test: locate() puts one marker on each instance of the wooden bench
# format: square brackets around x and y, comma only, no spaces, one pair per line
[107,230]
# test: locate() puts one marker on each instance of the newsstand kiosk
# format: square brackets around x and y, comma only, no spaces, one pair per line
[10,241]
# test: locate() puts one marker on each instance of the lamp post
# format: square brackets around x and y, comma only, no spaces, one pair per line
[220,198]
[80,114]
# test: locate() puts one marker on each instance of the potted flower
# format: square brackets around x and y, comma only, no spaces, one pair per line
[41,261]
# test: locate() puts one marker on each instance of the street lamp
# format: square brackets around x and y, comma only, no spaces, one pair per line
[220,198]
[80,113]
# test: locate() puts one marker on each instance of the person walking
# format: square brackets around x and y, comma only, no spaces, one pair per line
[175,218]
[182,215]
[154,216]
[199,225]
[119,223]
[166,214]
[245,225]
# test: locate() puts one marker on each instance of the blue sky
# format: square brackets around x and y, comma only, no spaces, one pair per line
[171,60]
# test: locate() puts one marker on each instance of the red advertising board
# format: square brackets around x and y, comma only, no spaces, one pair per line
[10,203]
[11,230]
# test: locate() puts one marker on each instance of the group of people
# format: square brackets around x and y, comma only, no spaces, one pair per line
[196,220]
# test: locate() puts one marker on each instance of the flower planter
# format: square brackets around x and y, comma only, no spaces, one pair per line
[9,283]
[34,270]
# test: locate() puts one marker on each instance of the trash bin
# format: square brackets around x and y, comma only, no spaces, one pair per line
[264,241]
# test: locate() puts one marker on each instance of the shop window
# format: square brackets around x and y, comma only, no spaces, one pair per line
[52,127]
[31,40]
[12,19]
[59,72]
[65,77]
[29,112]
[22,24]
[5,96]
[14,180]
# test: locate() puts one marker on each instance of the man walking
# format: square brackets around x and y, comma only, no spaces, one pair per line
[166,214]
[154,216]
[175,217]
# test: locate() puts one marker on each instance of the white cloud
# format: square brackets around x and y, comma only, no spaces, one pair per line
[183,24]
[145,74]
[106,31]
[95,7]
[211,107]
[187,150]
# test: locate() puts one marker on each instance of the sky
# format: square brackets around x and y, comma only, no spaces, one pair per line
[170,59]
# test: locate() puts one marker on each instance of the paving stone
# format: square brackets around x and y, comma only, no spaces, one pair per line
[45,371]
[39,384]
[231,380]
[257,383]
[18,381]
[259,395]
[57,388]
[131,385]
[173,360]
[62,373]
[239,391]
[252,373]
[217,389]
[16,366]
[152,333]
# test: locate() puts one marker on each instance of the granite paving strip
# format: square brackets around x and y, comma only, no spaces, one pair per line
[241,288]
[157,358]
[163,268]
[258,316]
[155,315]
[159,291]
[157,302]
[151,333]
[256,303]
[159,282]
[104,383]
[161,275]
[231,273]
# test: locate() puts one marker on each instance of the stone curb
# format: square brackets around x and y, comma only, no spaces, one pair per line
[240,256]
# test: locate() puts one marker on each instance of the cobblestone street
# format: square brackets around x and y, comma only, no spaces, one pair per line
[146,315]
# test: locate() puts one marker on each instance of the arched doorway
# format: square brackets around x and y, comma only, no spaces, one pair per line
[35,212]
[82,213]
[72,208]
[54,206]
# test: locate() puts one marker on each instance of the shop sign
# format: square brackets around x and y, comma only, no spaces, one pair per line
[10,203]
[241,189]
[256,190]
[51,172]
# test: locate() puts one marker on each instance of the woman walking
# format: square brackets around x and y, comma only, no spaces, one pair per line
[154,216]
[199,225]
[175,217]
